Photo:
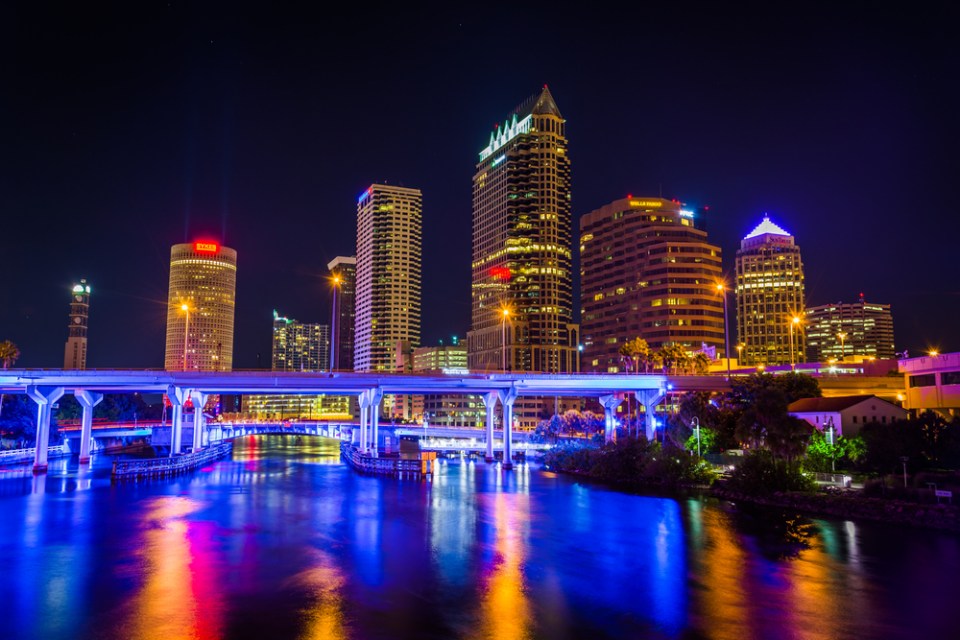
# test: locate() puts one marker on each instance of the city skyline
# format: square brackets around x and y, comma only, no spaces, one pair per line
[841,142]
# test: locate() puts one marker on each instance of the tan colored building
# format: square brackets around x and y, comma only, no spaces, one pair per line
[847,414]
[389,237]
[647,271]
[200,307]
[770,297]
[855,330]
[521,246]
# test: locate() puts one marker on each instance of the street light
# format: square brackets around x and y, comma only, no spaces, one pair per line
[794,321]
[696,430]
[843,336]
[186,332]
[722,290]
[505,313]
[904,459]
[830,440]
[335,338]
[740,354]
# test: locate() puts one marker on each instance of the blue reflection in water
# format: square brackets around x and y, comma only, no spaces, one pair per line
[285,541]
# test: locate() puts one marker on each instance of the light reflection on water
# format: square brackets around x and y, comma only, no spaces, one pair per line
[284,541]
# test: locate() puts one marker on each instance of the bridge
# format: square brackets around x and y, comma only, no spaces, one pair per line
[46,386]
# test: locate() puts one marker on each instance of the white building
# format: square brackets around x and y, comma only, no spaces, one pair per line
[389,236]
[932,382]
[847,414]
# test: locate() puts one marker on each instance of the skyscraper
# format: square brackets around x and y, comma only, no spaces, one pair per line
[299,346]
[849,329]
[522,316]
[770,299]
[389,233]
[646,271]
[200,307]
[75,352]
[343,279]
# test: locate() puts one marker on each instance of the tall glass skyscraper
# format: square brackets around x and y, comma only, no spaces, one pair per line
[200,307]
[343,282]
[770,298]
[299,346]
[522,285]
[389,237]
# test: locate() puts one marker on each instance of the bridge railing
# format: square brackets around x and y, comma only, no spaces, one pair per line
[14,455]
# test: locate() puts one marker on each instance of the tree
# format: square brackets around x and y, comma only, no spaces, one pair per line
[766,424]
[701,363]
[8,353]
[792,385]
[674,358]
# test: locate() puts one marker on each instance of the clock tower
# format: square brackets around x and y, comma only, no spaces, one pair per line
[75,353]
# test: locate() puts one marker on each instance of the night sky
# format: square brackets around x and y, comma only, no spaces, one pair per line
[125,130]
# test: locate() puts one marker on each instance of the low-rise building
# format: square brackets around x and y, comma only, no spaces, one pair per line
[932,383]
[847,414]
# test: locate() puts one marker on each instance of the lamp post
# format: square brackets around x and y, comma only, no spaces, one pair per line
[696,430]
[503,338]
[843,336]
[794,321]
[831,430]
[186,332]
[335,336]
[904,459]
[722,290]
[740,354]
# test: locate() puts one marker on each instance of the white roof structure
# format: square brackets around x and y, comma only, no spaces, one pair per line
[766,227]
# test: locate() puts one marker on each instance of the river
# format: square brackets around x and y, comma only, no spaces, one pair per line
[285,541]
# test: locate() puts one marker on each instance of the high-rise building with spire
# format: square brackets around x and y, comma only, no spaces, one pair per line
[770,297]
[522,284]
[75,352]
[389,237]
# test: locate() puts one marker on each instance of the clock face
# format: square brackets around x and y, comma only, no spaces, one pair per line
[78,298]
[76,320]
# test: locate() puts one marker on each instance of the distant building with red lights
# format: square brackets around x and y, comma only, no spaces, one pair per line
[200,307]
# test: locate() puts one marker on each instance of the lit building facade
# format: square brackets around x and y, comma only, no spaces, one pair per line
[387,302]
[299,346]
[343,280]
[849,329]
[200,307]
[75,352]
[447,410]
[305,347]
[770,297]
[647,271]
[521,246]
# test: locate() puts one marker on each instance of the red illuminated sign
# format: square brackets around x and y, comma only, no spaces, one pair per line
[205,247]
[500,273]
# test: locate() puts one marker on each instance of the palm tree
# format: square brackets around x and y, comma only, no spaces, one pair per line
[701,363]
[8,355]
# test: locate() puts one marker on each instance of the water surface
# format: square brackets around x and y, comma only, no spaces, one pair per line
[284,541]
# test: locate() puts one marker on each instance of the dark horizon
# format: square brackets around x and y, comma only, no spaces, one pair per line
[130,129]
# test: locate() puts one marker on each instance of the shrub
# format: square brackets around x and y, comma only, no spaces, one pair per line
[760,473]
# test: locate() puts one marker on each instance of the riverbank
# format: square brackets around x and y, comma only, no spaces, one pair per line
[853,505]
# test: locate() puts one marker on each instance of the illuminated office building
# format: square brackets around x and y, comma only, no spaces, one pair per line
[75,352]
[387,302]
[647,271]
[770,300]
[444,410]
[200,307]
[521,246]
[343,282]
[299,346]
[849,330]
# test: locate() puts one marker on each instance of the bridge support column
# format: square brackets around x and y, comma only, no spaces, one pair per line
[375,396]
[44,397]
[650,398]
[198,398]
[610,404]
[177,396]
[490,404]
[364,401]
[88,400]
[507,397]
